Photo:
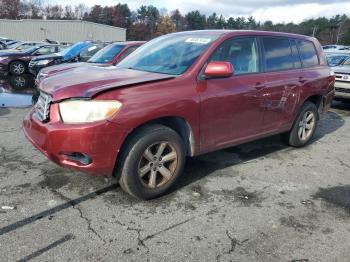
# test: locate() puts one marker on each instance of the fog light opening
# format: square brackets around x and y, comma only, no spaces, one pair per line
[81,158]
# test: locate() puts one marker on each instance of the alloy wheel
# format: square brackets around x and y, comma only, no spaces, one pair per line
[18,68]
[158,164]
[19,82]
[306,125]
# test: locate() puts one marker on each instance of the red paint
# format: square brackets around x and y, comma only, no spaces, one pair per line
[220,112]
[218,69]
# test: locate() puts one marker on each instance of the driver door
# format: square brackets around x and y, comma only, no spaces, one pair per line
[232,108]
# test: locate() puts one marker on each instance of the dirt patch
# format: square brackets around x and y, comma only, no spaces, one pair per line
[4,111]
[242,196]
[54,181]
[296,224]
[339,196]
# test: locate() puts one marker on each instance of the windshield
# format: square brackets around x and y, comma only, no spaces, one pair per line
[32,49]
[25,46]
[347,61]
[170,54]
[335,60]
[13,46]
[74,50]
[106,54]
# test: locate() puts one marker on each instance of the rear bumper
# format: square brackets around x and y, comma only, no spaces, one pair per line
[101,142]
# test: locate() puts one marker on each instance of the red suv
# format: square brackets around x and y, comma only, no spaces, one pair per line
[179,95]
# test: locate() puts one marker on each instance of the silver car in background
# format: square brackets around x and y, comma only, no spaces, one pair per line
[342,80]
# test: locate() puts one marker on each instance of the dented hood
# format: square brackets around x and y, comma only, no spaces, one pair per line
[85,82]
[66,67]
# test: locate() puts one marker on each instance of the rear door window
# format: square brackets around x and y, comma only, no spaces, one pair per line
[308,53]
[278,54]
[242,53]
[295,52]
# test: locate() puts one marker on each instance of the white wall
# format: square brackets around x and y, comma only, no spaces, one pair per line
[60,30]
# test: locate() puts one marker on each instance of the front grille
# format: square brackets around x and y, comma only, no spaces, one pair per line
[342,90]
[344,77]
[42,107]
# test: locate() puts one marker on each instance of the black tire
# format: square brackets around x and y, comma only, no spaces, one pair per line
[18,82]
[17,68]
[134,152]
[293,138]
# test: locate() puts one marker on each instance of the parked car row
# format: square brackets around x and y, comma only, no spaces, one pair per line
[111,54]
[30,57]
[327,48]
[182,94]
[16,62]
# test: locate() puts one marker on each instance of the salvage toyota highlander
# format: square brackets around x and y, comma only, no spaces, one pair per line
[179,95]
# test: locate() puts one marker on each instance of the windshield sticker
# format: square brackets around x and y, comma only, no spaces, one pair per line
[202,41]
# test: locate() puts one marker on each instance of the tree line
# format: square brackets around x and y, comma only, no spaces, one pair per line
[148,22]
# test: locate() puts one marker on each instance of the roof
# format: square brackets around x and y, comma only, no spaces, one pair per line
[130,42]
[60,21]
[243,32]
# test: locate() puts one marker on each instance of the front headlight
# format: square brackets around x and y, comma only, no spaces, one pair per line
[43,62]
[81,111]
[3,58]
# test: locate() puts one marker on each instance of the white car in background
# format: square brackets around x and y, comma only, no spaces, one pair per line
[335,47]
[342,80]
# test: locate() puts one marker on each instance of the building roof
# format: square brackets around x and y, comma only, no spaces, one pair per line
[61,21]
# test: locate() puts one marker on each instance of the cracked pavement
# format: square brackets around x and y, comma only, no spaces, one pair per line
[260,201]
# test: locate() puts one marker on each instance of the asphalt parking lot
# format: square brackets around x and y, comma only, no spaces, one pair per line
[261,201]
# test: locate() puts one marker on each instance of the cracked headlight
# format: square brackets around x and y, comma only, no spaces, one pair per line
[87,111]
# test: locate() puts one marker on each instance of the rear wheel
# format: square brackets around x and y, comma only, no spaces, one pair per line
[152,162]
[17,68]
[304,126]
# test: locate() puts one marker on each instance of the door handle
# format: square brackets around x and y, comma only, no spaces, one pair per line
[259,86]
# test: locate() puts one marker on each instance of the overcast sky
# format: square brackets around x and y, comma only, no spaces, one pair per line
[275,10]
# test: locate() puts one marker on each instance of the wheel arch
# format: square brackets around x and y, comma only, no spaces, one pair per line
[317,100]
[178,124]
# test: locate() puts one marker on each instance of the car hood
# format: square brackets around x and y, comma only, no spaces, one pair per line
[52,70]
[44,57]
[88,81]
[341,69]
[12,53]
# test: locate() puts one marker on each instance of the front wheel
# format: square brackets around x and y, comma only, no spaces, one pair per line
[304,126]
[152,162]
[17,68]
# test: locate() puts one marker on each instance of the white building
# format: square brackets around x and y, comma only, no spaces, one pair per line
[70,31]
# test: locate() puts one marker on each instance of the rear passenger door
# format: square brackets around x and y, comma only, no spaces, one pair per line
[282,66]
[315,77]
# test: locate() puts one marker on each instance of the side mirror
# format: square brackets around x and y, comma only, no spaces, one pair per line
[218,69]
